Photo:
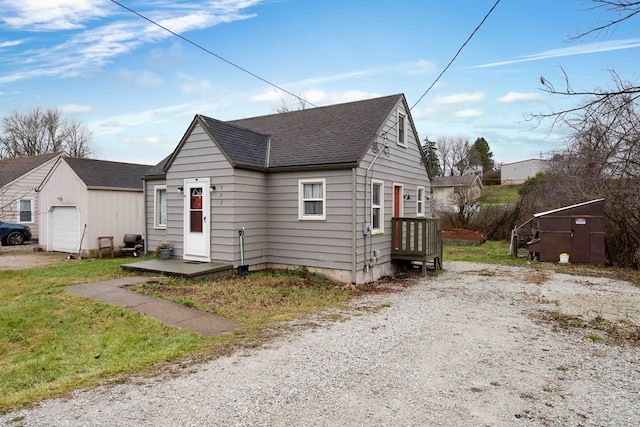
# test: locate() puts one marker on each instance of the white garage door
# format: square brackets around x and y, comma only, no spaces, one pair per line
[65,229]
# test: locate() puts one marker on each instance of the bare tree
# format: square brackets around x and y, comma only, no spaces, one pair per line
[454,155]
[615,13]
[39,132]
[284,107]
[461,208]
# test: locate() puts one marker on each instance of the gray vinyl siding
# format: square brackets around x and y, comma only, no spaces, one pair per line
[312,243]
[153,236]
[402,167]
[200,158]
[250,212]
[239,200]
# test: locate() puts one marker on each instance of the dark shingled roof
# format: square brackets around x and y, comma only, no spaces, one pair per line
[454,181]
[244,146]
[11,169]
[157,171]
[335,134]
[104,174]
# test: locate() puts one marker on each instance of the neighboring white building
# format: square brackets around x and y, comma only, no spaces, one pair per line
[83,199]
[518,172]
[19,202]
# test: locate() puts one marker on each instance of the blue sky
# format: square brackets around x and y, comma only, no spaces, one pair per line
[138,87]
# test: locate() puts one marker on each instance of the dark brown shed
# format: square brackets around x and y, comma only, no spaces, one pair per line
[577,230]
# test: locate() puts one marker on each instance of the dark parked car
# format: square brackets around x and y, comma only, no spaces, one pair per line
[14,234]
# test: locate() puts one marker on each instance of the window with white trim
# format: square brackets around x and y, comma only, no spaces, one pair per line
[25,210]
[401,130]
[160,206]
[312,199]
[377,206]
[420,201]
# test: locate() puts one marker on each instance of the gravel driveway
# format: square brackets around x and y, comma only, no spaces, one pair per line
[467,348]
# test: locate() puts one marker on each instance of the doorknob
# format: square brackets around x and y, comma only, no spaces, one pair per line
[205,219]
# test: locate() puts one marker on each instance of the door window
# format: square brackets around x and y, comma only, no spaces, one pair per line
[195,209]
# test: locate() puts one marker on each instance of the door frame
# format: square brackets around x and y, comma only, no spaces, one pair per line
[197,247]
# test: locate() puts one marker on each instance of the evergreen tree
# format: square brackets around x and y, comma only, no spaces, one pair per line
[481,154]
[433,164]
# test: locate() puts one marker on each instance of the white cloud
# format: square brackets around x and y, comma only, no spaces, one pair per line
[570,51]
[38,15]
[199,87]
[316,97]
[75,108]
[270,95]
[461,98]
[144,79]
[468,113]
[519,97]
[11,43]
[89,49]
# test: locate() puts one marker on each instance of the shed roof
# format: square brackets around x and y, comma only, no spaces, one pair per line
[537,215]
[106,174]
[11,169]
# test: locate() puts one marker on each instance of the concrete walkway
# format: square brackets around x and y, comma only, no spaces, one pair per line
[167,312]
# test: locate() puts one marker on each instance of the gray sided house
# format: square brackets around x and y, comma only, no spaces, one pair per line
[83,199]
[314,188]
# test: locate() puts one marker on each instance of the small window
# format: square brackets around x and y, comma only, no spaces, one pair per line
[160,204]
[312,199]
[420,201]
[377,207]
[25,210]
[401,130]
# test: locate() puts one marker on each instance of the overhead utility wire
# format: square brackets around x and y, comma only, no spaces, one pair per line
[212,53]
[456,55]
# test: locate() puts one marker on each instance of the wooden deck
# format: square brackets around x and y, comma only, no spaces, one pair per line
[417,239]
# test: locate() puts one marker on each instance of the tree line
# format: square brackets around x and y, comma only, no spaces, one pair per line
[41,131]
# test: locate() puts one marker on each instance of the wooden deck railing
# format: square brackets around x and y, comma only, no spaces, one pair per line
[416,239]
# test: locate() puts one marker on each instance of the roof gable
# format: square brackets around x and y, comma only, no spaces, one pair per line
[106,174]
[12,169]
[242,146]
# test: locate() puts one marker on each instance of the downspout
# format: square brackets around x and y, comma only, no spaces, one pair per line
[145,204]
[354,224]
[365,231]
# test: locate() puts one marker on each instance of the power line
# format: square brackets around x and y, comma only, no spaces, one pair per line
[456,55]
[299,98]
[211,53]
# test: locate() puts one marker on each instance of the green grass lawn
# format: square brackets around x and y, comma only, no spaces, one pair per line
[494,252]
[500,194]
[53,342]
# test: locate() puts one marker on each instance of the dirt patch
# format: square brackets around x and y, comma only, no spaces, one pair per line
[27,256]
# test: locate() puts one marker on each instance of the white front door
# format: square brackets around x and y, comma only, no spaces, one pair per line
[197,229]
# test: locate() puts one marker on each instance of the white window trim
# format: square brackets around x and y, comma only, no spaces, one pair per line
[301,215]
[401,142]
[420,202]
[381,229]
[32,211]
[156,188]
